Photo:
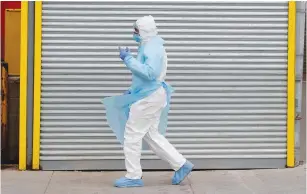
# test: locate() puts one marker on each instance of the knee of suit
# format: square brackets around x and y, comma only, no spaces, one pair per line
[132,148]
[132,141]
[132,135]
[152,135]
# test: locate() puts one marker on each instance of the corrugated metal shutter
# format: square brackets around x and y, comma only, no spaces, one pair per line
[227,62]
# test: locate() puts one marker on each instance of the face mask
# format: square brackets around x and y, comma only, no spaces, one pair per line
[137,37]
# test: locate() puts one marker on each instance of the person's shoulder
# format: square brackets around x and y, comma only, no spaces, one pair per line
[156,45]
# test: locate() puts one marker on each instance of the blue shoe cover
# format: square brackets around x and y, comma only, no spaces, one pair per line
[125,183]
[182,173]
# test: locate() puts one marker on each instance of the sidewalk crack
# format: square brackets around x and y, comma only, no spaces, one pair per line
[190,184]
[49,182]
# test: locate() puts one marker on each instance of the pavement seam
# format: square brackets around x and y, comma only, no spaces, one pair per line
[49,182]
[240,179]
[190,184]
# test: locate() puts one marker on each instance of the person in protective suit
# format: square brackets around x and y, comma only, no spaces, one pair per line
[141,113]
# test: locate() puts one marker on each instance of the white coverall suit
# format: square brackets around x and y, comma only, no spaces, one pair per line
[144,116]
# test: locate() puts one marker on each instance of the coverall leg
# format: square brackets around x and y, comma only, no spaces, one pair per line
[142,123]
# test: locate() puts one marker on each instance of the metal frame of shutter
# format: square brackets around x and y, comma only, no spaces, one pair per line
[305,42]
[227,62]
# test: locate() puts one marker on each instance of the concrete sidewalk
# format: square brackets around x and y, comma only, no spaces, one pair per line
[279,181]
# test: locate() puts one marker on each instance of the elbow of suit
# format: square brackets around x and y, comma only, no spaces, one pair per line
[151,76]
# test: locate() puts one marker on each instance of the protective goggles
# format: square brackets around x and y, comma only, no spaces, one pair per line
[136,31]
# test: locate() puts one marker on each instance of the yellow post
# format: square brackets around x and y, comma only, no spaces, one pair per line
[291,85]
[37,84]
[23,86]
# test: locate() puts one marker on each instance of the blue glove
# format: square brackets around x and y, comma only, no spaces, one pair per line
[123,53]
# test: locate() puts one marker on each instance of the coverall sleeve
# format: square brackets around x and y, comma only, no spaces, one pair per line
[151,68]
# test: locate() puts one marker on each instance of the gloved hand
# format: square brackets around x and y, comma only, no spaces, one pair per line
[123,53]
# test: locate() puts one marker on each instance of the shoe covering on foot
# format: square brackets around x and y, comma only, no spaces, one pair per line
[182,173]
[125,183]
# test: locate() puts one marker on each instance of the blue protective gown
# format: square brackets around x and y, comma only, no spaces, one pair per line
[146,69]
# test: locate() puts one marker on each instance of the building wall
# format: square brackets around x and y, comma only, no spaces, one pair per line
[12,41]
[13,121]
[6,5]
[13,93]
